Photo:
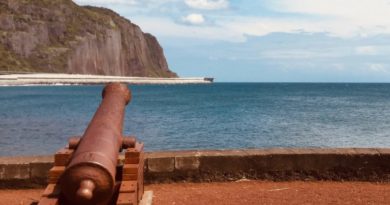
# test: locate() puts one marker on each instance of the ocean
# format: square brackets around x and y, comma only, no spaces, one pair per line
[38,120]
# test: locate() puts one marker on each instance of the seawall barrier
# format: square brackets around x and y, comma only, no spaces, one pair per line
[79,79]
[277,164]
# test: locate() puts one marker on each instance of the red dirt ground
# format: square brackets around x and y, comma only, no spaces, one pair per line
[246,192]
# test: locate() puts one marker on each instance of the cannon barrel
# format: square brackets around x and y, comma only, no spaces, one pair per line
[90,175]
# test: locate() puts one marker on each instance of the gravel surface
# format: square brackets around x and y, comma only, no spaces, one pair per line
[246,192]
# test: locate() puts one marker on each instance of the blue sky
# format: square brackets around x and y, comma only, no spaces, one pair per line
[268,40]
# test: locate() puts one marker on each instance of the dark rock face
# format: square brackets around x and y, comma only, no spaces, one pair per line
[58,36]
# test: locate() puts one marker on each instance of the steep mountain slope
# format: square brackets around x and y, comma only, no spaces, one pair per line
[58,36]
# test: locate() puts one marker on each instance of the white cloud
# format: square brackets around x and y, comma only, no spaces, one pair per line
[362,11]
[260,26]
[366,50]
[154,25]
[342,18]
[195,19]
[207,4]
[336,18]
[377,67]
[298,54]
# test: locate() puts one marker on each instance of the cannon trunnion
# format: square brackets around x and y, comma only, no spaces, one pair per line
[90,171]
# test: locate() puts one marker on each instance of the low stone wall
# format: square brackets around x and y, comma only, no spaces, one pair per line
[26,172]
[357,164]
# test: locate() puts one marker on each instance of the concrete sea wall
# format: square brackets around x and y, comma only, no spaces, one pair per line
[278,164]
[69,79]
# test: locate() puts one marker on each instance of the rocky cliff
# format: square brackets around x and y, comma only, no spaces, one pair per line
[58,36]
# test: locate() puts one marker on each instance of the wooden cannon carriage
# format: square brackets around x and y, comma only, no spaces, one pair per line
[88,171]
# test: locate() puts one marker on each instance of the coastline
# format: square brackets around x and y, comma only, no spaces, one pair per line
[79,79]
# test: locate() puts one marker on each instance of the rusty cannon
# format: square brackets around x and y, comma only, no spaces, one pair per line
[90,170]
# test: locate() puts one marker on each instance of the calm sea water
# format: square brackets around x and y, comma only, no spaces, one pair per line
[39,120]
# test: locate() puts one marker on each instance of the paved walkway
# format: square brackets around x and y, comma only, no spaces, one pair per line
[247,193]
